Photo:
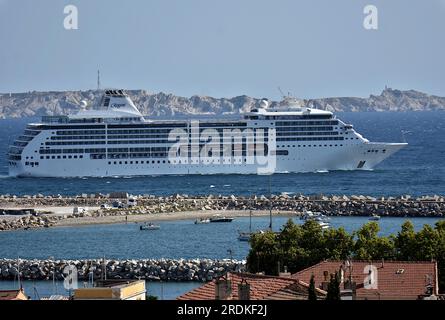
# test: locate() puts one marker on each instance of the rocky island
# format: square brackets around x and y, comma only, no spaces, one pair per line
[29,104]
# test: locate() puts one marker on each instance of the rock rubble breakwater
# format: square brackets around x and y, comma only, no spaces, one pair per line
[145,269]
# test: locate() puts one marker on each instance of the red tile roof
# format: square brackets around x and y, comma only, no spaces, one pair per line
[12,295]
[261,288]
[395,279]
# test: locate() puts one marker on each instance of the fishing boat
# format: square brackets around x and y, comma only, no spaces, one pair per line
[202,221]
[149,226]
[374,217]
[219,218]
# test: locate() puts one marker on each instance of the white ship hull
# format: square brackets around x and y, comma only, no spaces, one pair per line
[315,160]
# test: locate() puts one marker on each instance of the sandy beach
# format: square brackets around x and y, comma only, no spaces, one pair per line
[170,216]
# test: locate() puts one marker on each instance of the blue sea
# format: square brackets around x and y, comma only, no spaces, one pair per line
[175,239]
[418,169]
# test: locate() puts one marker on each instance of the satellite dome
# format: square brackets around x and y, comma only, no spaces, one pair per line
[83,104]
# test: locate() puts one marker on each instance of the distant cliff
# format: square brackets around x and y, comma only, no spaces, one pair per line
[17,105]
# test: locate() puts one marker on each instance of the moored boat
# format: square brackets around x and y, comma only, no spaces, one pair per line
[202,221]
[149,226]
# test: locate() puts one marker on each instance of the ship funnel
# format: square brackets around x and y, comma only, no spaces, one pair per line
[118,100]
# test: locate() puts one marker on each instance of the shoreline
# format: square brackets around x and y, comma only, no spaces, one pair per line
[173,216]
[29,212]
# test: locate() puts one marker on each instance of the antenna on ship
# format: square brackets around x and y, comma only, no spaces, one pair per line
[98,80]
[282,93]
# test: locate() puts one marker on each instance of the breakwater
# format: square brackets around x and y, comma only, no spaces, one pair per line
[146,269]
[356,205]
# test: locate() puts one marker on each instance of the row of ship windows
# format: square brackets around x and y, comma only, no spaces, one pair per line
[78,143]
[280,117]
[306,123]
[376,151]
[152,149]
[311,139]
[329,133]
[167,141]
[311,145]
[175,161]
[282,129]
[62,157]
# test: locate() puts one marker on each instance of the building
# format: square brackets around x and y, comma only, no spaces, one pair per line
[18,294]
[247,286]
[377,280]
[113,290]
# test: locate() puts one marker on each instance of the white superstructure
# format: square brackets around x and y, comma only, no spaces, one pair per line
[116,140]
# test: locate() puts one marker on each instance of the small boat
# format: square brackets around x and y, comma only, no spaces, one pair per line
[244,236]
[374,217]
[314,216]
[324,225]
[149,226]
[221,219]
[202,221]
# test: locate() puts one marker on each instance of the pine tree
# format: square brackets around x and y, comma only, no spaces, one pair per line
[312,293]
[334,288]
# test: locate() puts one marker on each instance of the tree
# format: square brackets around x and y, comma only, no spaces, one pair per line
[427,243]
[312,294]
[369,246]
[263,254]
[405,242]
[337,244]
[440,228]
[334,288]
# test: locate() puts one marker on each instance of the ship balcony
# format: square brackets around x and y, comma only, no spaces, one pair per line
[55,119]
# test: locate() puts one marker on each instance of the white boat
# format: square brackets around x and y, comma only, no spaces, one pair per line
[374,217]
[114,139]
[315,216]
[202,221]
[219,218]
[149,226]
[324,225]
[244,236]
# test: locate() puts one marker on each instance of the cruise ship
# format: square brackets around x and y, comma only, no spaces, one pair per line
[114,139]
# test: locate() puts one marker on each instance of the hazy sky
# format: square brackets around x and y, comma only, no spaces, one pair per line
[311,48]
